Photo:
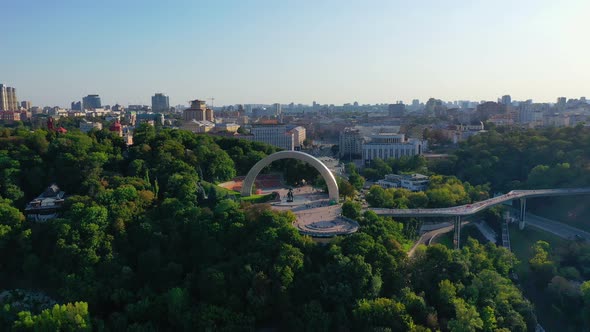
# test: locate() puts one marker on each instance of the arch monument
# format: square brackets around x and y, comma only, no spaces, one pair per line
[313,161]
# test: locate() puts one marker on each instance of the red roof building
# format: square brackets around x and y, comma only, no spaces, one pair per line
[116,127]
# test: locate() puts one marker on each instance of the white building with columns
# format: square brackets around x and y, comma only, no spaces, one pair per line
[388,145]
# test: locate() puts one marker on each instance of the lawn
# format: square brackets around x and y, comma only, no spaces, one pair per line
[522,241]
[445,239]
[258,198]
[466,232]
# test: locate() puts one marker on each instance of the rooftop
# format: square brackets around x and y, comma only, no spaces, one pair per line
[51,198]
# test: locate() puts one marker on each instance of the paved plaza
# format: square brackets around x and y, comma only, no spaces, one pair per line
[315,216]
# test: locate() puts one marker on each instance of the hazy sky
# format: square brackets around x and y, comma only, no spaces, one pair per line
[54,52]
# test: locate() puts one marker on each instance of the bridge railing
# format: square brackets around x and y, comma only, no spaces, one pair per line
[468,209]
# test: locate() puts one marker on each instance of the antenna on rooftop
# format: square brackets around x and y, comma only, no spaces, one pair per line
[212,100]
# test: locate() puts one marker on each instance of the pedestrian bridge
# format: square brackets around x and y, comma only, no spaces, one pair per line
[457,212]
[469,209]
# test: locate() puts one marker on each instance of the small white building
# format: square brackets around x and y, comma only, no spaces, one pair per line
[412,182]
[86,126]
[46,206]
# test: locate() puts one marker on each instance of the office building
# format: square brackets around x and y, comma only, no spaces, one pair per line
[8,101]
[12,102]
[350,143]
[209,115]
[397,110]
[160,103]
[561,101]
[91,102]
[118,108]
[76,106]
[506,100]
[388,145]
[277,109]
[3,98]
[273,134]
[26,104]
[299,134]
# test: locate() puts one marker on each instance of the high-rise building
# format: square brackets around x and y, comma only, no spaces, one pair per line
[299,135]
[277,109]
[561,101]
[351,144]
[91,102]
[76,106]
[506,100]
[8,101]
[160,103]
[26,104]
[3,98]
[397,110]
[12,101]
[209,116]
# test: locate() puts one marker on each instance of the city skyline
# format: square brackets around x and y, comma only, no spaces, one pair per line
[310,104]
[267,52]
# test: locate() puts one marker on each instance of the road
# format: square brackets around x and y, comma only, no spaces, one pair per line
[469,209]
[427,237]
[560,229]
[554,227]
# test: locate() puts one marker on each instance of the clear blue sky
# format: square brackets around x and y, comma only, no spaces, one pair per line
[57,51]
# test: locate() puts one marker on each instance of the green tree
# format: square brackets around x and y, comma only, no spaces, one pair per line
[65,317]
[345,189]
[467,318]
[541,262]
[351,209]
[381,313]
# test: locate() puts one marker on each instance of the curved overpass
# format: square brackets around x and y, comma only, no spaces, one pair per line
[469,209]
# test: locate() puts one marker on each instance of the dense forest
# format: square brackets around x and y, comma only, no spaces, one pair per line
[147,242]
[523,159]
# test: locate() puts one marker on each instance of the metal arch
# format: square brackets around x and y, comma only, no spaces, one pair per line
[313,161]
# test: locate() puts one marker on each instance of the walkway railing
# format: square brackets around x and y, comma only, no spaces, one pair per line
[469,209]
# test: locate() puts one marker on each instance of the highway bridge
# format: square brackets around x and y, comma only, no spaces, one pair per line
[457,212]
